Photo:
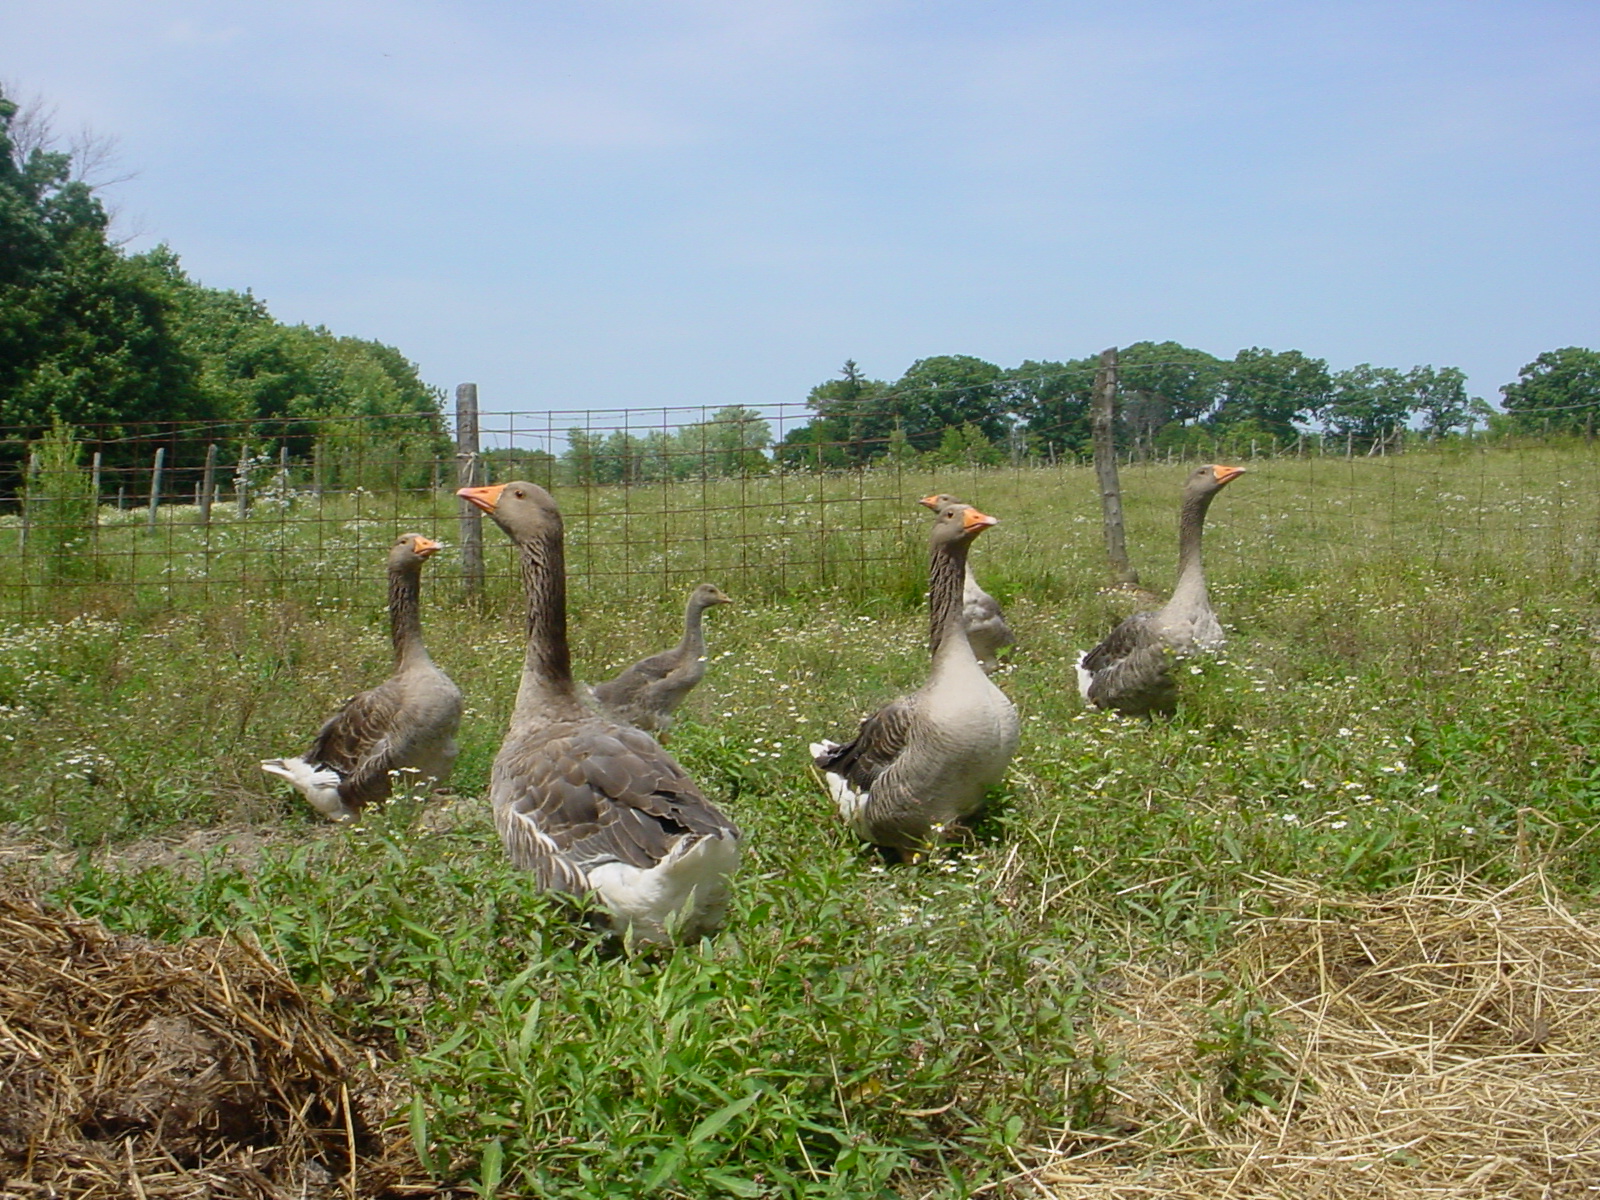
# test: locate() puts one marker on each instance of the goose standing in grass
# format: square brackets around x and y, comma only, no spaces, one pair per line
[647,693]
[408,721]
[924,762]
[980,612]
[586,803]
[1131,670]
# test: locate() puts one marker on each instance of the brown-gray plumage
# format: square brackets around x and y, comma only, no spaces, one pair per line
[925,761]
[1131,670]
[647,693]
[408,722]
[586,803]
[980,612]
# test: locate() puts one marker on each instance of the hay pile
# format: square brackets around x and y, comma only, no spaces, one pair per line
[131,1069]
[1442,1042]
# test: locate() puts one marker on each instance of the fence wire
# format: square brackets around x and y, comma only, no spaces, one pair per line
[659,500]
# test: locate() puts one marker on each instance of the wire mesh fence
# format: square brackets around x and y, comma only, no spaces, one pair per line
[658,500]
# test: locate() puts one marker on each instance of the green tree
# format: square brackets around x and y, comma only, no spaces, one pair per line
[1274,388]
[951,389]
[1439,397]
[1167,381]
[1367,402]
[852,422]
[733,442]
[1051,399]
[964,445]
[1560,390]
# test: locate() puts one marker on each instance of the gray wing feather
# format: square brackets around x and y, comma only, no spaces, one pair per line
[576,794]
[878,742]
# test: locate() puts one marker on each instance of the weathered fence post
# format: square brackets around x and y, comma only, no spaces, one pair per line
[155,484]
[207,483]
[1103,426]
[316,469]
[94,486]
[241,482]
[467,476]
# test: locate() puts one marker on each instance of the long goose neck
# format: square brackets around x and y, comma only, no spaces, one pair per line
[694,636]
[947,572]
[547,668]
[405,613]
[1190,590]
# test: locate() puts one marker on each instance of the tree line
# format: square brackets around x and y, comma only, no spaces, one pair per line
[127,347]
[1171,397]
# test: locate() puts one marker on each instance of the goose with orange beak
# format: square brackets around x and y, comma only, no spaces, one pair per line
[923,764]
[1131,670]
[407,723]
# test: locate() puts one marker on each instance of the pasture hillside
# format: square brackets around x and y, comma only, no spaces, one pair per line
[1324,933]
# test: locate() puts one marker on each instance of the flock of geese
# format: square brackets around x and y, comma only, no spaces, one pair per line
[586,797]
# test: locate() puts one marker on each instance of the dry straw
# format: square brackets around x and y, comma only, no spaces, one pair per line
[131,1069]
[1438,1042]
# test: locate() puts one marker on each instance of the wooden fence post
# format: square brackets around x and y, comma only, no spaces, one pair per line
[207,483]
[1103,426]
[94,486]
[241,482]
[467,476]
[155,484]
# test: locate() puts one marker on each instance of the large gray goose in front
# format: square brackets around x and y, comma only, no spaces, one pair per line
[980,612]
[648,693]
[1131,670]
[924,762]
[584,802]
[409,721]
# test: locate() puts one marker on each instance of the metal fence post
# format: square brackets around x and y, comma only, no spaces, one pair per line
[467,476]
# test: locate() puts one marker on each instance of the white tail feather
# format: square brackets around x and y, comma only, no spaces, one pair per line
[319,785]
[688,888]
[1085,677]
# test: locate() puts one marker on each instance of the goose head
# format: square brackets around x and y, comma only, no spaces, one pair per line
[960,523]
[708,594]
[411,550]
[938,501]
[524,510]
[1210,479]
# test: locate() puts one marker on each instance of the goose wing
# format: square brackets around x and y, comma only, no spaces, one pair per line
[1131,670]
[573,795]
[880,740]
[637,678]
[360,743]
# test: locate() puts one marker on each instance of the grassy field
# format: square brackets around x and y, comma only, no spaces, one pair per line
[1409,697]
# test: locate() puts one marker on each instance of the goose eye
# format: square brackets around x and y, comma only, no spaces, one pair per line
[520,494]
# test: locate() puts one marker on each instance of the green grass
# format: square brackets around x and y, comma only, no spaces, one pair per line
[1411,683]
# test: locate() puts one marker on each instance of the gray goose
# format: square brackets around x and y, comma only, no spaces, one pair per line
[924,762]
[647,693]
[980,612]
[408,721]
[587,804]
[1131,670]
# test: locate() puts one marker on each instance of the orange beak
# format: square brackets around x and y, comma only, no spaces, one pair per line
[424,546]
[482,497]
[1226,474]
[977,520]
[929,502]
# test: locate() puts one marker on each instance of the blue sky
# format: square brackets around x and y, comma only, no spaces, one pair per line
[614,204]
